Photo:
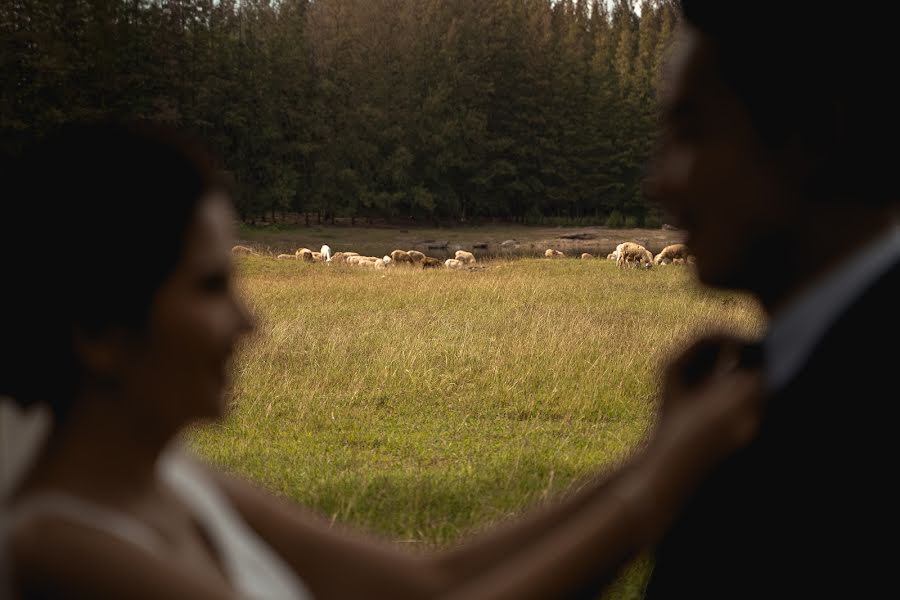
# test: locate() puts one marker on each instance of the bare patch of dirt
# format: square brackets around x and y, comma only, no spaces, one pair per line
[485,241]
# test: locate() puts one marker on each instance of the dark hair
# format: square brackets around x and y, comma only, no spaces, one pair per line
[816,73]
[98,216]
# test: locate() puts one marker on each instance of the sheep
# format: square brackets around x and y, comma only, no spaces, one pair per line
[614,255]
[678,261]
[379,264]
[452,263]
[304,254]
[465,257]
[341,257]
[632,253]
[416,256]
[401,256]
[671,252]
[317,257]
[586,255]
[292,256]
[325,251]
[431,263]
[242,250]
[550,253]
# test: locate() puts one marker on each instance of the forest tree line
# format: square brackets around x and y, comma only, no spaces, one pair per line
[531,111]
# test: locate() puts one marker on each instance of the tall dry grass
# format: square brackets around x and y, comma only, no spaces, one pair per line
[424,404]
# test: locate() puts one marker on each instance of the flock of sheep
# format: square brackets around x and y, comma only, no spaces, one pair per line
[462,260]
[626,255]
[631,254]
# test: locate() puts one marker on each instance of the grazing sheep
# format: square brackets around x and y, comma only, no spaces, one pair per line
[550,253]
[586,255]
[670,253]
[630,253]
[431,263]
[379,264]
[614,255]
[304,254]
[416,256]
[452,263]
[286,256]
[325,251]
[341,257]
[242,250]
[317,257]
[401,256]
[465,257]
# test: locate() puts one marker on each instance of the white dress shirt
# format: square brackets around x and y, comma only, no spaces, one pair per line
[795,330]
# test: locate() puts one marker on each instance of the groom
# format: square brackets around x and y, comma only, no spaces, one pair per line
[778,158]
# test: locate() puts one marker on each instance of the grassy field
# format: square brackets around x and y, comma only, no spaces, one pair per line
[423,405]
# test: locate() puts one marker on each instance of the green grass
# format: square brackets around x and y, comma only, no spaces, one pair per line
[423,405]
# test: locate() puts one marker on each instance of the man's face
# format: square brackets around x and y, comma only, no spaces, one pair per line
[714,175]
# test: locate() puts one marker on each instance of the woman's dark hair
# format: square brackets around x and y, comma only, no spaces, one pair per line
[97,217]
[820,74]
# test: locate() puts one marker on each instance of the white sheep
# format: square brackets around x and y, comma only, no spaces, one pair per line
[586,255]
[401,256]
[325,251]
[416,256]
[341,257]
[614,255]
[292,256]
[670,253]
[551,253]
[241,250]
[465,257]
[631,253]
[304,254]
[452,263]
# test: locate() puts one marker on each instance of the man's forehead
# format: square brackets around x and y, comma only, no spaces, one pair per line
[688,69]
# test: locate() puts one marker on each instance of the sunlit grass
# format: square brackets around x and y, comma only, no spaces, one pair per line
[424,404]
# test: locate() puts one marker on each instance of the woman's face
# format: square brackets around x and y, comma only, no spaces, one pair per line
[180,367]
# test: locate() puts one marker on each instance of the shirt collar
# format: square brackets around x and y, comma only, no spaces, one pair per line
[795,330]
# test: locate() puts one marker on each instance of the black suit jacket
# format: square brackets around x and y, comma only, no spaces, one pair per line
[808,509]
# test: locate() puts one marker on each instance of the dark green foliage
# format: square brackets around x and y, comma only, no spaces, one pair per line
[532,111]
